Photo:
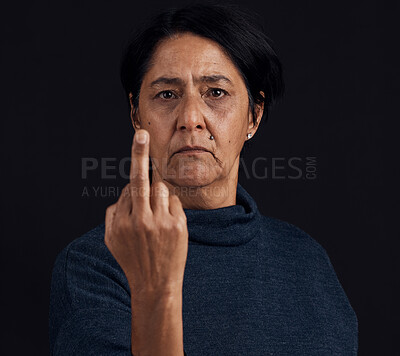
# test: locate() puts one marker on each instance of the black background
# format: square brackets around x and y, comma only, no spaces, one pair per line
[62,101]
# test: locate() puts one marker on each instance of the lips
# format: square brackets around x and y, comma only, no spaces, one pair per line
[192,148]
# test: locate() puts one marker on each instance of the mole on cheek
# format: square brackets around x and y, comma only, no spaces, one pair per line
[148,122]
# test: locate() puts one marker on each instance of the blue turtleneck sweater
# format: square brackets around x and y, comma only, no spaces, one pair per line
[253,286]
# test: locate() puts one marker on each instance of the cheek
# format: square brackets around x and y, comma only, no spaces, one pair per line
[232,126]
[161,132]
[222,108]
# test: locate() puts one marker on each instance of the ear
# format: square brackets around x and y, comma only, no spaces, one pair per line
[134,114]
[259,110]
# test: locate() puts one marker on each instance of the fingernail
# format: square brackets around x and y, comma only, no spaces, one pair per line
[141,137]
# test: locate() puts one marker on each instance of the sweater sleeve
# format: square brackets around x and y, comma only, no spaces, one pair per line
[340,320]
[337,308]
[90,311]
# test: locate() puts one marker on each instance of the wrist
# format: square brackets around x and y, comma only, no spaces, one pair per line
[156,298]
[145,292]
[157,322]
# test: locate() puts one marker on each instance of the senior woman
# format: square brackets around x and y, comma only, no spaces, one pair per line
[185,263]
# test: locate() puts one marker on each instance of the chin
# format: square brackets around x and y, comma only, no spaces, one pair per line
[194,171]
[190,182]
[196,175]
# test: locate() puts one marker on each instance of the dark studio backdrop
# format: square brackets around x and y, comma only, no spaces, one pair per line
[325,161]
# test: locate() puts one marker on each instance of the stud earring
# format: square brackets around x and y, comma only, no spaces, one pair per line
[248,135]
[211,137]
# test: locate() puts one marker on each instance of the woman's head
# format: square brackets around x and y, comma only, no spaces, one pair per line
[195,72]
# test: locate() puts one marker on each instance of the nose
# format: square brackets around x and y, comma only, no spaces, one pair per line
[190,115]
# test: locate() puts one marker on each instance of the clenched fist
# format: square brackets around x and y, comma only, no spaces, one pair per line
[146,229]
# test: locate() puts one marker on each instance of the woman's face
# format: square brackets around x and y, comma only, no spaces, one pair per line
[193,90]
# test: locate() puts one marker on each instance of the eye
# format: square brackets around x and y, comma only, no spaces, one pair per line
[165,94]
[217,92]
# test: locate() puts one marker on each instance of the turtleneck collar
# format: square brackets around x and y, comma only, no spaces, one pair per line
[228,226]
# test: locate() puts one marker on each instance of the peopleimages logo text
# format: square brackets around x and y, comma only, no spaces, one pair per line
[108,169]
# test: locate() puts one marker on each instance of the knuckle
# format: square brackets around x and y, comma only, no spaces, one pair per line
[160,189]
[159,184]
[176,201]
[181,225]
[174,198]
[139,176]
[124,225]
[126,191]
[166,226]
[110,210]
[175,227]
[142,222]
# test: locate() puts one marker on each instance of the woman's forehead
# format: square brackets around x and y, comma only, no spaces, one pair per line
[191,57]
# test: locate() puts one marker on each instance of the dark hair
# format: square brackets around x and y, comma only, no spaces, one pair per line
[234,29]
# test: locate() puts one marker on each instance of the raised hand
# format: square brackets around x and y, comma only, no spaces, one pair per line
[146,229]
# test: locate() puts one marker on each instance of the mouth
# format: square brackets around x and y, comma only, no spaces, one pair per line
[192,150]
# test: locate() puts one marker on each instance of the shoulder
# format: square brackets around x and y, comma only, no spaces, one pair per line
[89,299]
[294,249]
[80,251]
[289,236]
[85,271]
[93,239]
[306,261]
[89,245]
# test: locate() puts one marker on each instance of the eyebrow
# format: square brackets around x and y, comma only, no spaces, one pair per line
[203,79]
